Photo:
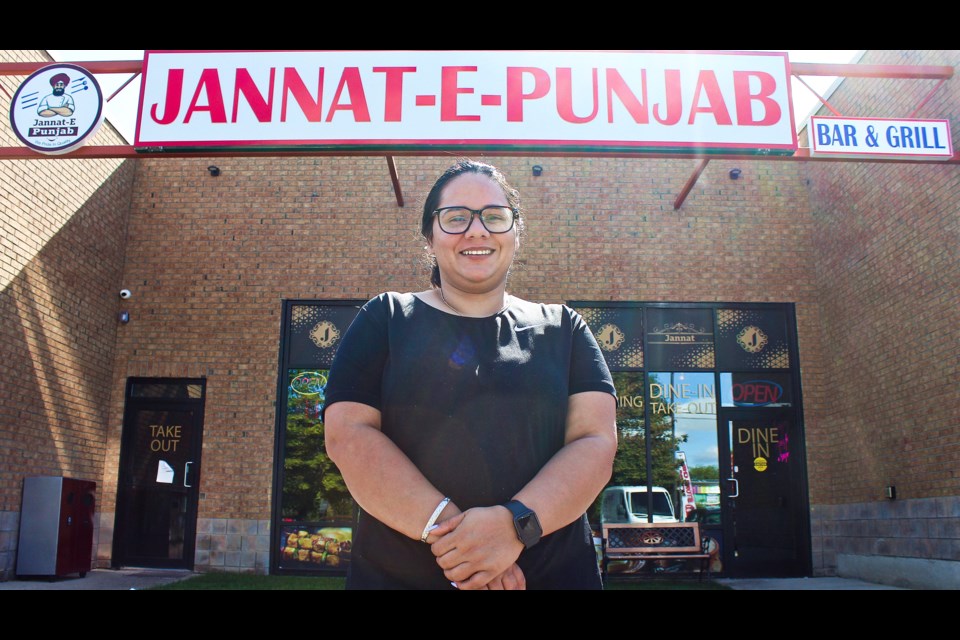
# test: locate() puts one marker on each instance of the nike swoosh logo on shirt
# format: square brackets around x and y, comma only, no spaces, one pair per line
[529,326]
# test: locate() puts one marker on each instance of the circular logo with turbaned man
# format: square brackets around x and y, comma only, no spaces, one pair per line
[57,109]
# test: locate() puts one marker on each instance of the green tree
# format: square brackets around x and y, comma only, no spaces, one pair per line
[313,488]
[705,472]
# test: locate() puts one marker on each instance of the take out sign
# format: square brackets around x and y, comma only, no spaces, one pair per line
[550,100]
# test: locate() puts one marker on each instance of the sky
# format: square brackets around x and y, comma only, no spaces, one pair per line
[122,110]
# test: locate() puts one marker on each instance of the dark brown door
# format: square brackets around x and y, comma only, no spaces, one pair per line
[159,474]
[764,523]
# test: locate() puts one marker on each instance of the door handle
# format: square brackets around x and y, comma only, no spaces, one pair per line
[736,488]
[186,474]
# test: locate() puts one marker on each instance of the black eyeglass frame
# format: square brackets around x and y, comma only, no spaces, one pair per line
[474,213]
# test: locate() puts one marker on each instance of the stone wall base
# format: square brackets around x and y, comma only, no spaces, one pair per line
[9,533]
[910,573]
[232,545]
[901,542]
[223,544]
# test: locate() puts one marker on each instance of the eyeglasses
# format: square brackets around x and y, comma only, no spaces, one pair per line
[495,219]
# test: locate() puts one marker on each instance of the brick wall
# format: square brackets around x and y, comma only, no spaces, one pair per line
[210,259]
[887,238]
[887,274]
[61,263]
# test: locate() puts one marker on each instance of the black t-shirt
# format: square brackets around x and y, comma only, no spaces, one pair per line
[479,405]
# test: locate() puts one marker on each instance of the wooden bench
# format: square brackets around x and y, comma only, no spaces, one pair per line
[653,541]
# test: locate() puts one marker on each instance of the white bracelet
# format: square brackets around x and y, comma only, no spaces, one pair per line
[433,518]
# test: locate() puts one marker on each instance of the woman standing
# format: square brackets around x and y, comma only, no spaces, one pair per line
[473,428]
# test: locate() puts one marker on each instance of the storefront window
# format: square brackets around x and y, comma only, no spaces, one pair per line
[313,488]
[315,512]
[685,402]
[683,375]
[166,390]
[753,390]
[629,467]
[316,508]
[680,408]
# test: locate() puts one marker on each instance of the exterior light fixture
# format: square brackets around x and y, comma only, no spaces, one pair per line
[214,170]
[537,170]
[735,174]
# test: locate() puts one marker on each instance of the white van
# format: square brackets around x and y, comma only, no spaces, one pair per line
[625,505]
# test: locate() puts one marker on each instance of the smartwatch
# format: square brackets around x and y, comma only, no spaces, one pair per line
[526,522]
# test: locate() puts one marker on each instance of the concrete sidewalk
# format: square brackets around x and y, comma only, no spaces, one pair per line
[100,580]
[804,584]
[135,579]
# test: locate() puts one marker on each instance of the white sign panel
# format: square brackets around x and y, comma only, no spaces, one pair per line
[553,100]
[880,137]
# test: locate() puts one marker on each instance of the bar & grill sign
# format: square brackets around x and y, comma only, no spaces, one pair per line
[880,138]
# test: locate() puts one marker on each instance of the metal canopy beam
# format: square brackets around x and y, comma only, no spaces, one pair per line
[690,182]
[102,66]
[906,71]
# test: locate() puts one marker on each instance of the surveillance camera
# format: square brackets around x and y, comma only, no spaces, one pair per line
[125,293]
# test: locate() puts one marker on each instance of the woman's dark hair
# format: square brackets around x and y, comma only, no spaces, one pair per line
[432,202]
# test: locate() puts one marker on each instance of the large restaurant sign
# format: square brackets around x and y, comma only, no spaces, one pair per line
[587,101]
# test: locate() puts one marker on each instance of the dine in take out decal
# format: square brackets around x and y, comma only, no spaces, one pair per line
[543,99]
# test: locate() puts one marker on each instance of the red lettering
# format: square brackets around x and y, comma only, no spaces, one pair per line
[565,96]
[756,393]
[210,85]
[515,94]
[262,108]
[671,85]
[744,98]
[293,84]
[350,80]
[449,89]
[393,97]
[636,108]
[707,82]
[171,107]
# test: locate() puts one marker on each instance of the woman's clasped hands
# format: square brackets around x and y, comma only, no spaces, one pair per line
[478,549]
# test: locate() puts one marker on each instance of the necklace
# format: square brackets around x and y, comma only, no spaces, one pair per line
[506,303]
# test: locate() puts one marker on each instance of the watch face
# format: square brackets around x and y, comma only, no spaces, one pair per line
[528,528]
